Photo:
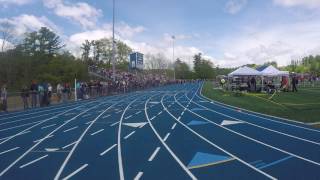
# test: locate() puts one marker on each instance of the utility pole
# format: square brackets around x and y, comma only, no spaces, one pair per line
[174,64]
[113,45]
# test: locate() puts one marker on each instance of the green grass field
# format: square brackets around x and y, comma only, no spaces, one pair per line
[302,106]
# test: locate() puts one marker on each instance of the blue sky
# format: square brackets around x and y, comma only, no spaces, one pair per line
[228,32]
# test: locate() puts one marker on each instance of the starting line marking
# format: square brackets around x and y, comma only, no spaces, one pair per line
[104,152]
[114,123]
[126,137]
[75,172]
[166,137]
[154,154]
[173,126]
[31,162]
[9,150]
[97,132]
[68,145]
[44,127]
[138,176]
[71,129]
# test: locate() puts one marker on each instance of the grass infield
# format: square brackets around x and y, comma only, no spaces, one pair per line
[303,106]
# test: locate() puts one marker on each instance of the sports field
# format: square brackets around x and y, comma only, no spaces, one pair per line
[171,132]
[303,106]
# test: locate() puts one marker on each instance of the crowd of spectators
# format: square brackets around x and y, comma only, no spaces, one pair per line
[43,94]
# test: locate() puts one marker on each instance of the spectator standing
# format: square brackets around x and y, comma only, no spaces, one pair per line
[49,93]
[59,92]
[4,96]
[294,82]
[34,90]
[41,94]
[25,97]
[65,93]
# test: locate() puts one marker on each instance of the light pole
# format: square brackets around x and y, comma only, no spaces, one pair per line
[113,45]
[174,64]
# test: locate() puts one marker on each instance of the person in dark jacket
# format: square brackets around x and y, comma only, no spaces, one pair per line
[25,96]
[34,92]
[3,97]
[294,83]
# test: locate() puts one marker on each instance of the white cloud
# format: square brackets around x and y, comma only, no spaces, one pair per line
[6,45]
[160,47]
[306,3]
[79,12]
[280,43]
[125,30]
[26,22]
[235,6]
[14,2]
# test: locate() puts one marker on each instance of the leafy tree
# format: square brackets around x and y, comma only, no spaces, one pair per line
[42,42]
[86,47]
[182,70]
[123,51]
[203,68]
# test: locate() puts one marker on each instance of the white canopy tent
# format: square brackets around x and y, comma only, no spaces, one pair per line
[245,71]
[272,71]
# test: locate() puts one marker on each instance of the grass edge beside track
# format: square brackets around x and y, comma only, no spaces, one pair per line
[260,105]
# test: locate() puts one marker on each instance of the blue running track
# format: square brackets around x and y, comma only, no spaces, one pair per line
[171,132]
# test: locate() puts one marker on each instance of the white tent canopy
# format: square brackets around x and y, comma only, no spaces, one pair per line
[245,71]
[272,71]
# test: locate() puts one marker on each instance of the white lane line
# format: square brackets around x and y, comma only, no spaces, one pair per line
[46,137]
[58,128]
[68,145]
[114,124]
[15,127]
[138,112]
[39,111]
[118,112]
[165,145]
[54,117]
[119,153]
[88,122]
[218,147]
[44,127]
[258,126]
[75,172]
[153,155]
[254,140]
[173,126]
[96,132]
[138,176]
[86,115]
[128,117]
[260,115]
[153,118]
[166,137]
[182,113]
[159,113]
[36,160]
[9,150]
[107,150]
[13,135]
[104,117]
[127,136]
[71,129]
[25,119]
[65,162]
[179,117]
